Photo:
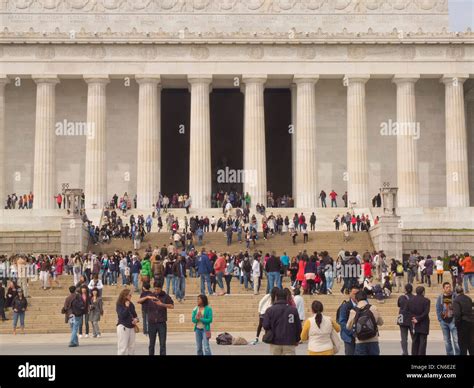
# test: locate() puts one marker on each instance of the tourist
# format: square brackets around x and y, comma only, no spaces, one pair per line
[419,310]
[45,268]
[219,268]
[404,318]
[2,302]
[229,271]
[445,315]
[365,319]
[202,319]
[440,270]
[143,297]
[73,309]
[273,267]
[256,273]
[95,283]
[84,293]
[127,324]
[468,267]
[429,265]
[464,320]
[22,275]
[322,196]
[96,311]
[321,333]
[19,306]
[282,326]
[157,305]
[135,271]
[312,222]
[299,304]
[399,276]
[179,278]
[333,196]
[204,267]
[263,306]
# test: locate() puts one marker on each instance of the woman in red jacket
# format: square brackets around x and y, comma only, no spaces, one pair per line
[300,275]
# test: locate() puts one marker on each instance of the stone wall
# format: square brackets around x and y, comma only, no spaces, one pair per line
[435,242]
[30,242]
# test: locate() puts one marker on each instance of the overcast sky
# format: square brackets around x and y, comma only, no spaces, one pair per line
[462,14]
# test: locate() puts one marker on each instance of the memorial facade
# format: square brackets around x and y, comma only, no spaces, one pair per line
[381,91]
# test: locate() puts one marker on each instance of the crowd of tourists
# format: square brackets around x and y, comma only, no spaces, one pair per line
[24,201]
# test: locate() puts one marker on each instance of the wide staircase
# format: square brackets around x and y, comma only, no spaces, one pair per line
[332,242]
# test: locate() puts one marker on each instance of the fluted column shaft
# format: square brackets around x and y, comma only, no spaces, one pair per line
[96,161]
[294,108]
[149,141]
[200,180]
[357,163]
[255,164]
[44,171]
[306,163]
[3,81]
[407,155]
[457,176]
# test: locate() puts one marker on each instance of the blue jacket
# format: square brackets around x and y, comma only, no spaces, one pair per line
[136,267]
[440,307]
[346,335]
[204,265]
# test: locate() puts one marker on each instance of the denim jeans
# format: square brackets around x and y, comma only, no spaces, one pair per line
[367,349]
[468,278]
[206,278]
[219,276]
[113,277]
[246,280]
[180,287]
[145,321]
[169,281]
[273,280]
[202,343]
[20,315]
[154,329]
[84,320]
[74,323]
[135,280]
[124,278]
[329,280]
[450,335]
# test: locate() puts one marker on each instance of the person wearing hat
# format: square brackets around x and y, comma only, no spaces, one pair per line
[19,306]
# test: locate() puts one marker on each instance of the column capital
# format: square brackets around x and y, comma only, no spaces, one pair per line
[4,80]
[405,78]
[254,78]
[303,78]
[45,79]
[449,78]
[148,79]
[355,78]
[200,79]
[97,79]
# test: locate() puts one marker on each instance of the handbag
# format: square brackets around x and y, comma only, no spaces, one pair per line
[336,341]
[136,328]
[208,334]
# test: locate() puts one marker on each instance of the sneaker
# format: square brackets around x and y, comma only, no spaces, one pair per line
[329,292]
[73,345]
[87,335]
[80,335]
[254,342]
[98,335]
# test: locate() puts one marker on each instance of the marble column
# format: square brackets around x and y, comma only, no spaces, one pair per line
[457,176]
[149,141]
[200,173]
[3,82]
[294,108]
[469,97]
[255,164]
[44,171]
[407,155]
[95,190]
[306,162]
[357,158]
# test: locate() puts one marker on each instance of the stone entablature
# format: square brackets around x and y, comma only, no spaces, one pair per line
[224,15]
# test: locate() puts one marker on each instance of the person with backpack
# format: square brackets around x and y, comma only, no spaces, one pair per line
[246,268]
[342,316]
[364,320]
[282,326]
[419,310]
[399,276]
[404,318]
[445,315]
[73,309]
[263,306]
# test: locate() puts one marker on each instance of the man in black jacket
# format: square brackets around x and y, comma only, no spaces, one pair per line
[2,302]
[404,318]
[419,310]
[283,326]
[273,268]
[464,320]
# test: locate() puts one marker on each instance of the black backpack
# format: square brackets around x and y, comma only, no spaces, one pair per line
[246,266]
[365,325]
[224,339]
[338,312]
[78,306]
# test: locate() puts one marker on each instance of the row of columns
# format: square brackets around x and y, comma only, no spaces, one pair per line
[304,145]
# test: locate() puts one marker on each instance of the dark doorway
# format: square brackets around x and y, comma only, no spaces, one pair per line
[227,135]
[278,141]
[175,126]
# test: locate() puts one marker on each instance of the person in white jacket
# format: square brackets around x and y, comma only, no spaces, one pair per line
[255,275]
[299,302]
[263,305]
